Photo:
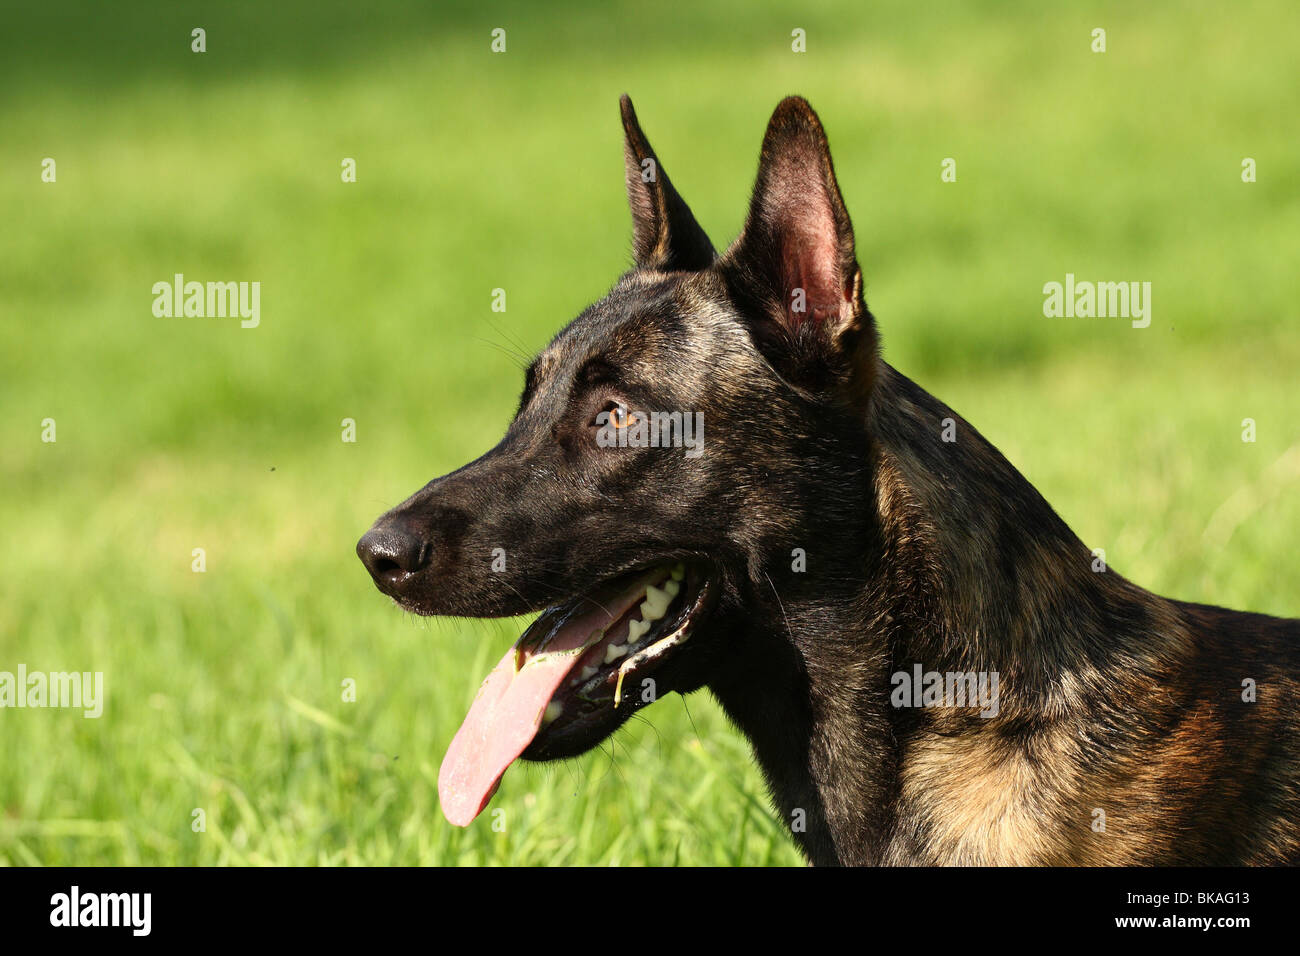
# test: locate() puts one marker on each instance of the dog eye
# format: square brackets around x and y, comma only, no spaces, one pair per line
[617,416]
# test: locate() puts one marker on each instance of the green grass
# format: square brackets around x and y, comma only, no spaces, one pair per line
[477,172]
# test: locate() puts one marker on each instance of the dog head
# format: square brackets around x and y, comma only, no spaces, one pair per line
[673,447]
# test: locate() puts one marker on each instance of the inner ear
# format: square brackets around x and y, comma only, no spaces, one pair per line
[808,244]
[795,258]
[665,235]
[798,236]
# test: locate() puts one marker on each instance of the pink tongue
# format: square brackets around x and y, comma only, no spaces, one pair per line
[501,723]
[508,711]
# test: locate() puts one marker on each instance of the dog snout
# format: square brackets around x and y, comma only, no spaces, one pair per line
[393,552]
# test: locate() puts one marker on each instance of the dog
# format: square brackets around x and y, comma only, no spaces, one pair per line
[930,666]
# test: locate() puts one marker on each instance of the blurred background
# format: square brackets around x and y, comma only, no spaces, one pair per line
[478,171]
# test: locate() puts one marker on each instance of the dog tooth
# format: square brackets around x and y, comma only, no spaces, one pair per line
[613,652]
[679,571]
[655,604]
[672,587]
[553,711]
[636,630]
[589,671]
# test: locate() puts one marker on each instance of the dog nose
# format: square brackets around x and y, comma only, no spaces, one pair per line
[391,553]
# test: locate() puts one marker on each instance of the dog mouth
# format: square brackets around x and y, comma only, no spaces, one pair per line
[572,677]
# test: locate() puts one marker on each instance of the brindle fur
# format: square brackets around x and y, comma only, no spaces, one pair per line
[918,551]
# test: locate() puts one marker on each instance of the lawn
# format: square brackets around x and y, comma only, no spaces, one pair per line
[478,171]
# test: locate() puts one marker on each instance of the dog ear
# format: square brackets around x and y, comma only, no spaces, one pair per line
[795,258]
[664,233]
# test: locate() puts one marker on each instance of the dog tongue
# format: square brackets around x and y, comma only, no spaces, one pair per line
[501,723]
[508,710]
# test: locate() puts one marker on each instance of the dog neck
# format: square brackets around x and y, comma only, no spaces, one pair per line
[964,566]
